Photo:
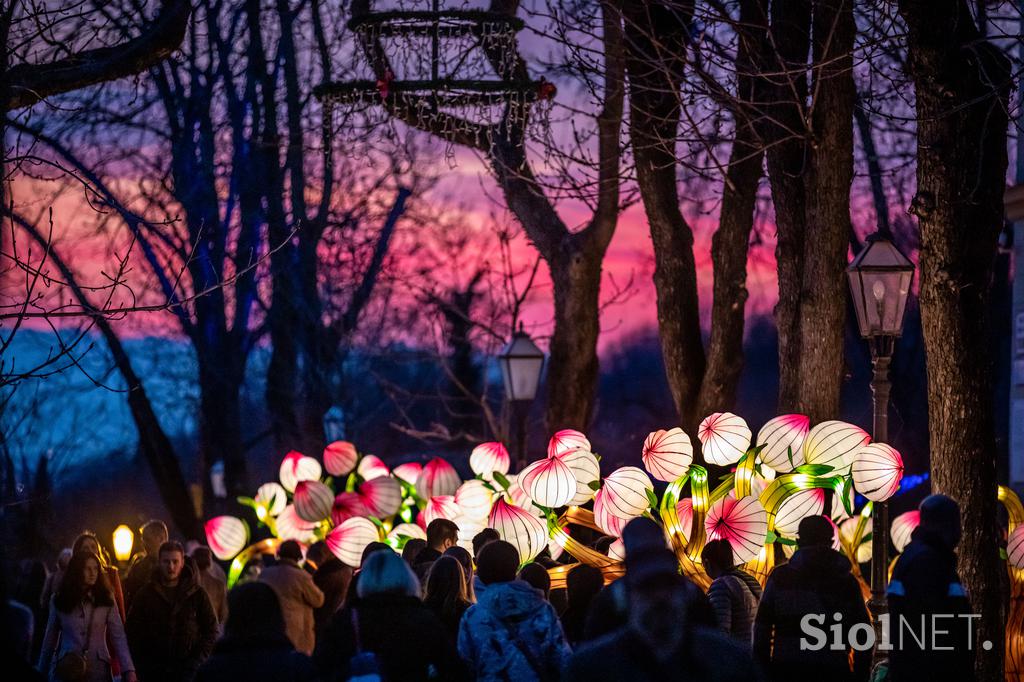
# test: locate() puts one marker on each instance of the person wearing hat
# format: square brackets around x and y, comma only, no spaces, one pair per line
[658,641]
[925,590]
[816,584]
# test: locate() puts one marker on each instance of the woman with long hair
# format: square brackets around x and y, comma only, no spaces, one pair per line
[82,613]
[87,541]
[446,592]
[466,561]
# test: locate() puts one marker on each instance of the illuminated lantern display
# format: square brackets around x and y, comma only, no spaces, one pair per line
[291,527]
[382,496]
[313,500]
[743,522]
[297,467]
[834,443]
[724,438]
[877,471]
[667,454]
[371,467]
[554,549]
[518,497]
[226,536]
[585,469]
[796,508]
[1015,547]
[340,458]
[272,497]
[902,528]
[625,492]
[409,530]
[440,507]
[124,540]
[617,550]
[346,505]
[684,510]
[474,499]
[487,458]
[468,528]
[408,472]
[863,549]
[523,530]
[437,478]
[548,482]
[565,440]
[781,436]
[348,540]
[609,524]
[838,508]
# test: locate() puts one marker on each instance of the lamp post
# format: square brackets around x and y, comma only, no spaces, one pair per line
[880,278]
[123,539]
[521,364]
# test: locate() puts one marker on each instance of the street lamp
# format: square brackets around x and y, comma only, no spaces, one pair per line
[880,278]
[521,364]
[123,539]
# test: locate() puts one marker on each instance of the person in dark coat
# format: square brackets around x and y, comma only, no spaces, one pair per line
[925,588]
[154,535]
[445,593]
[733,594]
[816,582]
[582,584]
[333,578]
[658,641]
[171,624]
[254,646]
[536,576]
[441,534]
[388,623]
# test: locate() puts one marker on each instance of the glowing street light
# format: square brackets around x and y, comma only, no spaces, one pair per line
[124,540]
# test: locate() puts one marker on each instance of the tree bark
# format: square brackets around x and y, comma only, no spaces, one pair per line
[962,88]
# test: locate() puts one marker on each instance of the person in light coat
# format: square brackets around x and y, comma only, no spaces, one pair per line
[82,614]
[297,593]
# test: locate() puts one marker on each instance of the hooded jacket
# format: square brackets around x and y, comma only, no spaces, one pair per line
[512,633]
[734,596]
[817,580]
[171,630]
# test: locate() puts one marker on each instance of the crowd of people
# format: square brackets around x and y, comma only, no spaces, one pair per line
[437,611]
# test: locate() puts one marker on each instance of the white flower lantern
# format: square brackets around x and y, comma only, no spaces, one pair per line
[272,497]
[565,440]
[877,471]
[226,536]
[348,540]
[667,454]
[834,443]
[783,437]
[625,492]
[523,530]
[437,478]
[724,438]
[487,458]
[548,482]
[297,467]
[585,469]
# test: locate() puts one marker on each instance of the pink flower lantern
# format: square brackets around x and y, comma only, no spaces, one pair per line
[625,492]
[617,550]
[290,527]
[297,467]
[548,482]
[371,467]
[523,530]
[903,526]
[781,436]
[408,472]
[437,478]
[877,471]
[608,523]
[226,536]
[340,458]
[487,458]
[474,499]
[834,443]
[796,508]
[381,495]
[667,454]
[684,510]
[348,540]
[518,497]
[1015,547]
[408,530]
[440,507]
[743,522]
[585,469]
[346,506]
[724,438]
[272,497]
[313,501]
[565,440]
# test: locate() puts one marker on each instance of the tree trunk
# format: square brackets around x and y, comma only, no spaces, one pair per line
[220,421]
[962,87]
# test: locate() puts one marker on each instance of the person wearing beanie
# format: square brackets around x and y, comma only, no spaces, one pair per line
[816,582]
[925,589]
[512,632]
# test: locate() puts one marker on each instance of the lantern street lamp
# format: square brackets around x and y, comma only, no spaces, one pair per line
[880,278]
[123,539]
[521,364]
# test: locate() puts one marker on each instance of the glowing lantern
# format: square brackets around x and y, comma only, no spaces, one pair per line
[381,495]
[838,508]
[297,467]
[1015,547]
[585,469]
[617,550]
[468,528]
[565,440]
[796,508]
[609,524]
[226,536]
[903,526]
[409,530]
[781,437]
[548,482]
[124,539]
[863,549]
[487,458]
[877,471]
[724,438]
[408,472]
[834,443]
[474,499]
[290,527]
[440,507]
[340,458]
[348,540]
[523,530]
[347,505]
[684,510]
[517,496]
[371,467]
[437,478]
[625,492]
[271,497]
[313,500]
[743,522]
[667,454]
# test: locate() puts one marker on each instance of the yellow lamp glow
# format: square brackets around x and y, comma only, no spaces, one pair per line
[124,538]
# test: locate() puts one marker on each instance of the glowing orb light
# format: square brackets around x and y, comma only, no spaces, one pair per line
[834,443]
[783,437]
[381,495]
[585,469]
[625,492]
[437,478]
[340,458]
[667,454]
[877,471]
[549,482]
[565,440]
[487,458]
[743,522]
[523,530]
[348,540]
[313,500]
[226,536]
[297,467]
[724,438]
